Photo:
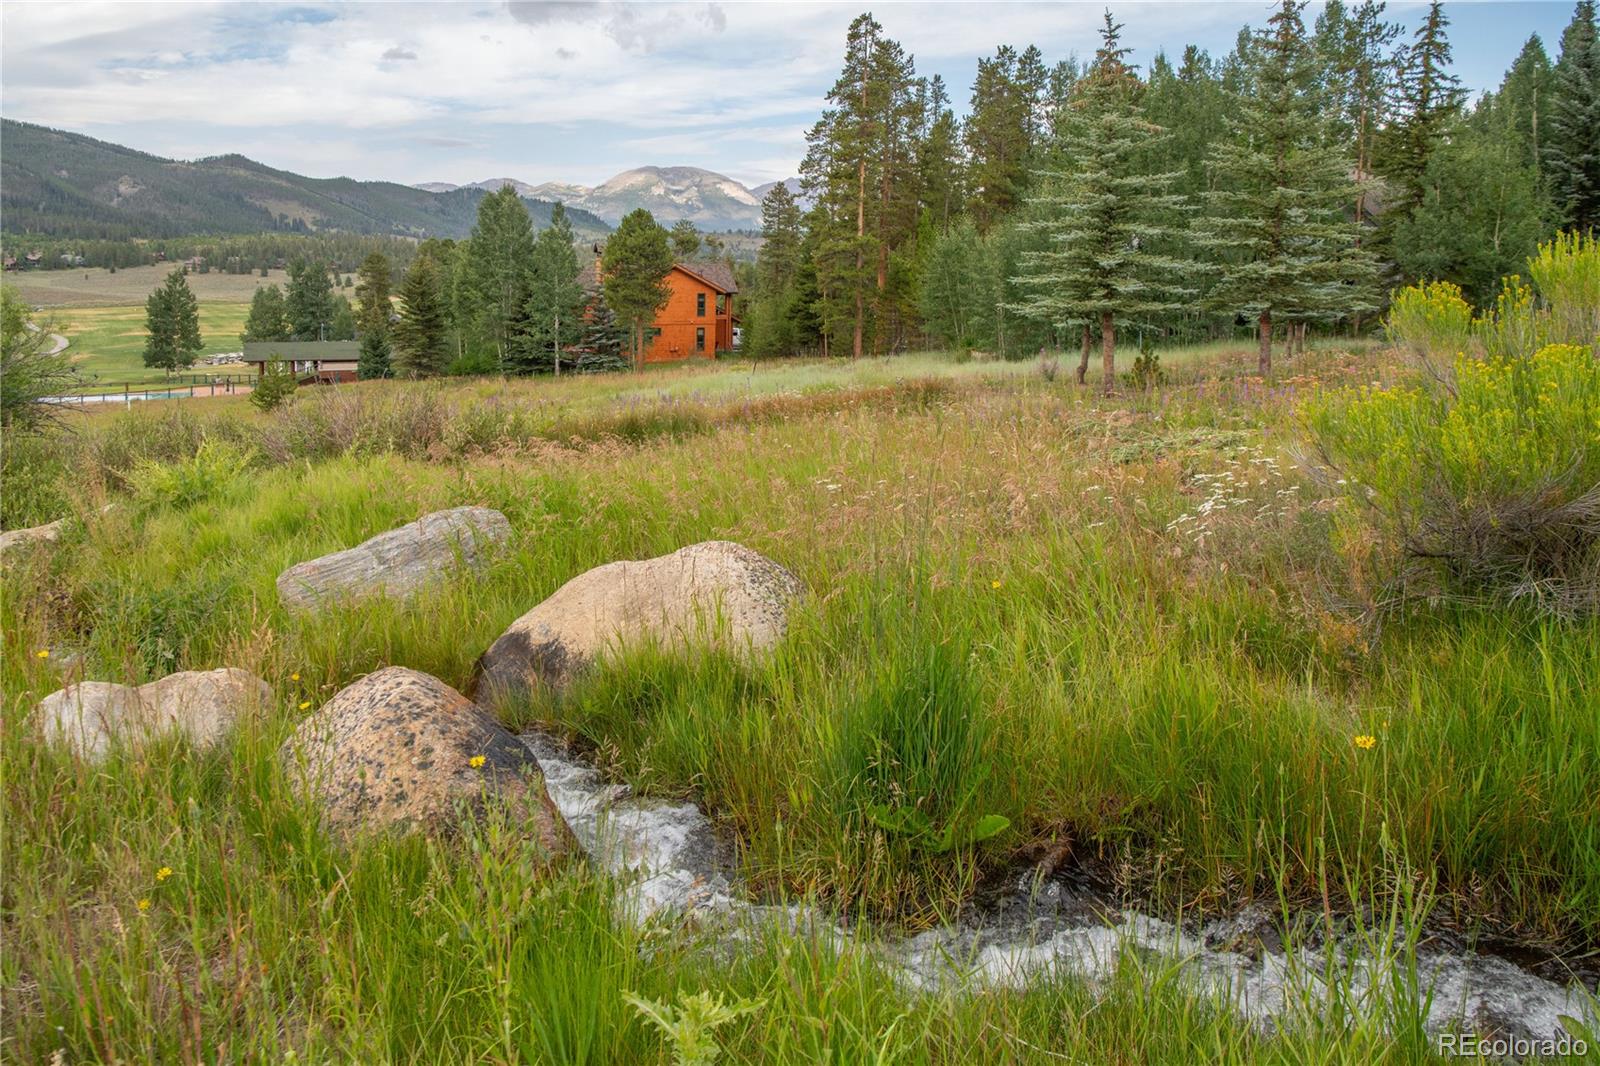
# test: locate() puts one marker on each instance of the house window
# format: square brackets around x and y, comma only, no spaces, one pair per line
[700,304]
[700,339]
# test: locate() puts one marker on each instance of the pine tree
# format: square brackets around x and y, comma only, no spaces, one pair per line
[1275,217]
[999,132]
[1428,99]
[1523,102]
[342,327]
[634,267]
[1357,67]
[940,159]
[766,329]
[499,257]
[268,319]
[172,320]
[374,307]
[309,303]
[1104,220]
[275,387]
[374,360]
[420,345]
[685,239]
[554,299]
[1572,150]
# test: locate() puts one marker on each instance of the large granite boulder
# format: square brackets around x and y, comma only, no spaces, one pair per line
[17,542]
[201,704]
[717,593]
[401,749]
[397,563]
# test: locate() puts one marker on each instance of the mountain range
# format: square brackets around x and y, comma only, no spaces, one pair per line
[710,200]
[65,184]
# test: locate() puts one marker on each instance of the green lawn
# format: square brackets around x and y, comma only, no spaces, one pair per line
[107,343]
[1116,622]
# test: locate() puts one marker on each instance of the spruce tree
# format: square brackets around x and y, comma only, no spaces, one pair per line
[1428,100]
[554,299]
[374,360]
[604,340]
[634,266]
[1572,149]
[420,346]
[309,303]
[1107,236]
[374,307]
[268,320]
[1275,218]
[172,320]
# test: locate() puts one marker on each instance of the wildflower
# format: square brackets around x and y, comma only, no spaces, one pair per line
[304,704]
[163,873]
[476,761]
[43,653]
[144,904]
[294,677]
[1366,741]
[995,583]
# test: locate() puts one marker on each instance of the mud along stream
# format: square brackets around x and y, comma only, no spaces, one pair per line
[667,858]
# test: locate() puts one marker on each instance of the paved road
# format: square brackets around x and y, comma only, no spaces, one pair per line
[60,341]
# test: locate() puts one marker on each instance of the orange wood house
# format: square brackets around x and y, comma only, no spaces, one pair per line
[697,321]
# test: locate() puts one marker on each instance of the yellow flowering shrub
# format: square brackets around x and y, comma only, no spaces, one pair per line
[1431,319]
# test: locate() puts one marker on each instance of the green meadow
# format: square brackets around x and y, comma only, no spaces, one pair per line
[1131,626]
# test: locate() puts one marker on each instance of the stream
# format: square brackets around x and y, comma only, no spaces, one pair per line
[667,858]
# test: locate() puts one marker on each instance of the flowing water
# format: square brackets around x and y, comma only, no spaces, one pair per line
[667,858]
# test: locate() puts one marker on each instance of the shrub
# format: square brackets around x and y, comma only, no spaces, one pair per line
[1566,271]
[1491,486]
[275,388]
[1431,319]
[213,467]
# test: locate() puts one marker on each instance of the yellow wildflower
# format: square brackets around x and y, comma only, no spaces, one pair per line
[163,873]
[1366,741]
[304,704]
[294,677]
[144,904]
[476,761]
[43,653]
[995,583]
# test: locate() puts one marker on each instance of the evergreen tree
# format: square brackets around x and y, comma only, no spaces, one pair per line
[1572,149]
[1006,104]
[767,330]
[268,319]
[634,266]
[276,386]
[604,340]
[554,300]
[499,258]
[1276,216]
[685,239]
[1523,102]
[1104,221]
[373,306]
[420,346]
[1428,99]
[1357,67]
[309,303]
[940,161]
[374,360]
[172,320]
[342,327]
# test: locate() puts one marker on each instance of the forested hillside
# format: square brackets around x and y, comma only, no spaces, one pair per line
[64,184]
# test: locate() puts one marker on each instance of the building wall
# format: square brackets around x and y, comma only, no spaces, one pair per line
[678,321]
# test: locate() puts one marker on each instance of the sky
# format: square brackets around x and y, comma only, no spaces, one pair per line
[572,92]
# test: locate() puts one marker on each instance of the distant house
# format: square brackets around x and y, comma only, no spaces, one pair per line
[11,262]
[313,362]
[697,320]
[32,259]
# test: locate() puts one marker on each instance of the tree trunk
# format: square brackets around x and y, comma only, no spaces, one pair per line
[1264,361]
[558,344]
[1108,350]
[1083,355]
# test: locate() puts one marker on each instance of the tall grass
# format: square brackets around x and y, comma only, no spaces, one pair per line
[1007,618]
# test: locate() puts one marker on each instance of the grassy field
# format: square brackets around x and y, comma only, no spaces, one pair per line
[130,285]
[107,343]
[1123,621]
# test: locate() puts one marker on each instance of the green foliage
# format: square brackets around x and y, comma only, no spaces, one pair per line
[690,1027]
[268,319]
[373,306]
[634,268]
[309,304]
[1566,271]
[420,345]
[961,289]
[1570,157]
[374,362]
[275,387]
[172,321]
[215,466]
[496,267]
[1492,485]
[552,310]
[1431,319]
[29,375]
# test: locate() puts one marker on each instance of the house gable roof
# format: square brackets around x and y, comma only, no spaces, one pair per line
[711,272]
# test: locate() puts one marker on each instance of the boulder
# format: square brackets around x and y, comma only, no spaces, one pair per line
[399,562]
[717,592]
[201,704]
[18,541]
[401,749]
